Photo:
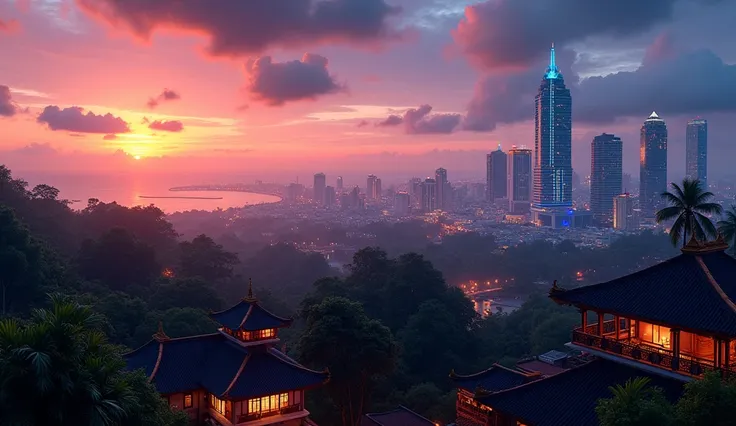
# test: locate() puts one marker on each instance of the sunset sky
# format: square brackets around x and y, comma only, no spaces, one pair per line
[282,87]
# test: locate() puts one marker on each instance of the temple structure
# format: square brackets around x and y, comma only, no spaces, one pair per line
[235,376]
[671,323]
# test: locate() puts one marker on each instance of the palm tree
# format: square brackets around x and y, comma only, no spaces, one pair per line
[688,206]
[727,228]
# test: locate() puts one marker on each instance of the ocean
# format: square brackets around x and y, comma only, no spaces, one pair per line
[129,190]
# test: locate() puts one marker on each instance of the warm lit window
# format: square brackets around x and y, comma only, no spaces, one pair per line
[217,404]
[269,332]
[268,403]
[655,334]
[188,400]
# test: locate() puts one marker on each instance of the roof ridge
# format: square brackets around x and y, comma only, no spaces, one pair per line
[158,362]
[285,358]
[247,314]
[454,375]
[715,284]
[229,309]
[237,375]
[555,376]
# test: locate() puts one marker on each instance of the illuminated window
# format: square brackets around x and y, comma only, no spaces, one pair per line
[655,334]
[268,403]
[188,400]
[217,404]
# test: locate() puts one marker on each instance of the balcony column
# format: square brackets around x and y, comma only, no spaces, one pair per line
[617,327]
[600,323]
[584,319]
[717,352]
[675,343]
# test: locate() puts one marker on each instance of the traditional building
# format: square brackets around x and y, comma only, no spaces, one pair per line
[670,323]
[234,376]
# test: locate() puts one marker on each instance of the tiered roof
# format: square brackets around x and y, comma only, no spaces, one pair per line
[569,398]
[494,379]
[221,364]
[249,315]
[402,416]
[694,291]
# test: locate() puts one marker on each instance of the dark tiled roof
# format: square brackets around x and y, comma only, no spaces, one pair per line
[494,379]
[402,416]
[249,315]
[569,398]
[217,364]
[693,291]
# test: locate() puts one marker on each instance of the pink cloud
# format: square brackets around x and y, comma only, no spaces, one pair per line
[73,119]
[167,126]
[8,108]
[420,121]
[9,26]
[165,95]
[276,83]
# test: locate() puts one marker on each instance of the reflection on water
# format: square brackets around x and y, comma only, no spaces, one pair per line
[128,189]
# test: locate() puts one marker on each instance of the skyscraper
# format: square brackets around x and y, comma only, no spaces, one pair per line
[319,188]
[652,165]
[520,180]
[339,184]
[623,213]
[606,174]
[330,196]
[496,175]
[377,190]
[553,142]
[370,187]
[696,151]
[440,177]
[402,204]
[429,195]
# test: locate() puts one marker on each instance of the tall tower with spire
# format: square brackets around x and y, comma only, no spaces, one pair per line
[552,186]
[652,165]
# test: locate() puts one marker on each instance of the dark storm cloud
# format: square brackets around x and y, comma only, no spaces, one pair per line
[688,84]
[8,108]
[504,34]
[73,119]
[420,121]
[165,95]
[237,27]
[276,83]
[167,126]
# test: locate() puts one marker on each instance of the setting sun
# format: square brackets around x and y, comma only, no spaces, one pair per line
[137,157]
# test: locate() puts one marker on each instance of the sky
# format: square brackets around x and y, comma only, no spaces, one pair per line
[283,88]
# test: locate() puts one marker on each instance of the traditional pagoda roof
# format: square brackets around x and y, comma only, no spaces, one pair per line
[221,366]
[402,416]
[493,379]
[694,291]
[569,398]
[249,315]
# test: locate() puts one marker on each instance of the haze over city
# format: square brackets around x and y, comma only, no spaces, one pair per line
[394,87]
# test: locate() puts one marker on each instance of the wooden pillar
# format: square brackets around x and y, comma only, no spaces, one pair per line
[600,324]
[726,360]
[675,344]
[617,327]
[584,318]
[717,354]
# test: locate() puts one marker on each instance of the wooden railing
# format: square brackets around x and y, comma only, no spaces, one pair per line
[663,358]
[256,416]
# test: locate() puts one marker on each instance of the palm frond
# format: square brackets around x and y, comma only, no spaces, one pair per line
[677,229]
[709,208]
[668,213]
[672,199]
[706,225]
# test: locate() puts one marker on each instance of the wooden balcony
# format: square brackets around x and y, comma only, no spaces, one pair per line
[243,418]
[641,352]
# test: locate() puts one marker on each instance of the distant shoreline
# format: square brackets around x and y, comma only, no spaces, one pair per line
[228,188]
[153,197]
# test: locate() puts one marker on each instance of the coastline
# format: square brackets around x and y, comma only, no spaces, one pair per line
[231,188]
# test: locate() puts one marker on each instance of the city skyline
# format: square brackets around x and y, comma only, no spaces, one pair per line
[183,101]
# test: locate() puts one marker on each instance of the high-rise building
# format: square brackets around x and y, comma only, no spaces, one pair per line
[415,191]
[652,165]
[696,151]
[402,204]
[606,174]
[339,184]
[319,188]
[377,190]
[370,187]
[552,142]
[440,177]
[623,213]
[496,175]
[520,180]
[329,196]
[429,195]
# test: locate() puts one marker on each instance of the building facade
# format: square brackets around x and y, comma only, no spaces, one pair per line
[496,175]
[624,218]
[443,198]
[696,151]
[606,174]
[552,187]
[235,376]
[652,165]
[320,181]
[402,204]
[429,196]
[330,196]
[520,180]
[339,184]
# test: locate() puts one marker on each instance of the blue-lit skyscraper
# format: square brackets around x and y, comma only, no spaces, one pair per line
[652,165]
[552,188]
[696,151]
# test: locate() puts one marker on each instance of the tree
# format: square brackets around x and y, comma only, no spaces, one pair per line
[357,349]
[709,401]
[727,228]
[635,404]
[178,322]
[688,206]
[59,369]
[193,293]
[204,258]
[45,192]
